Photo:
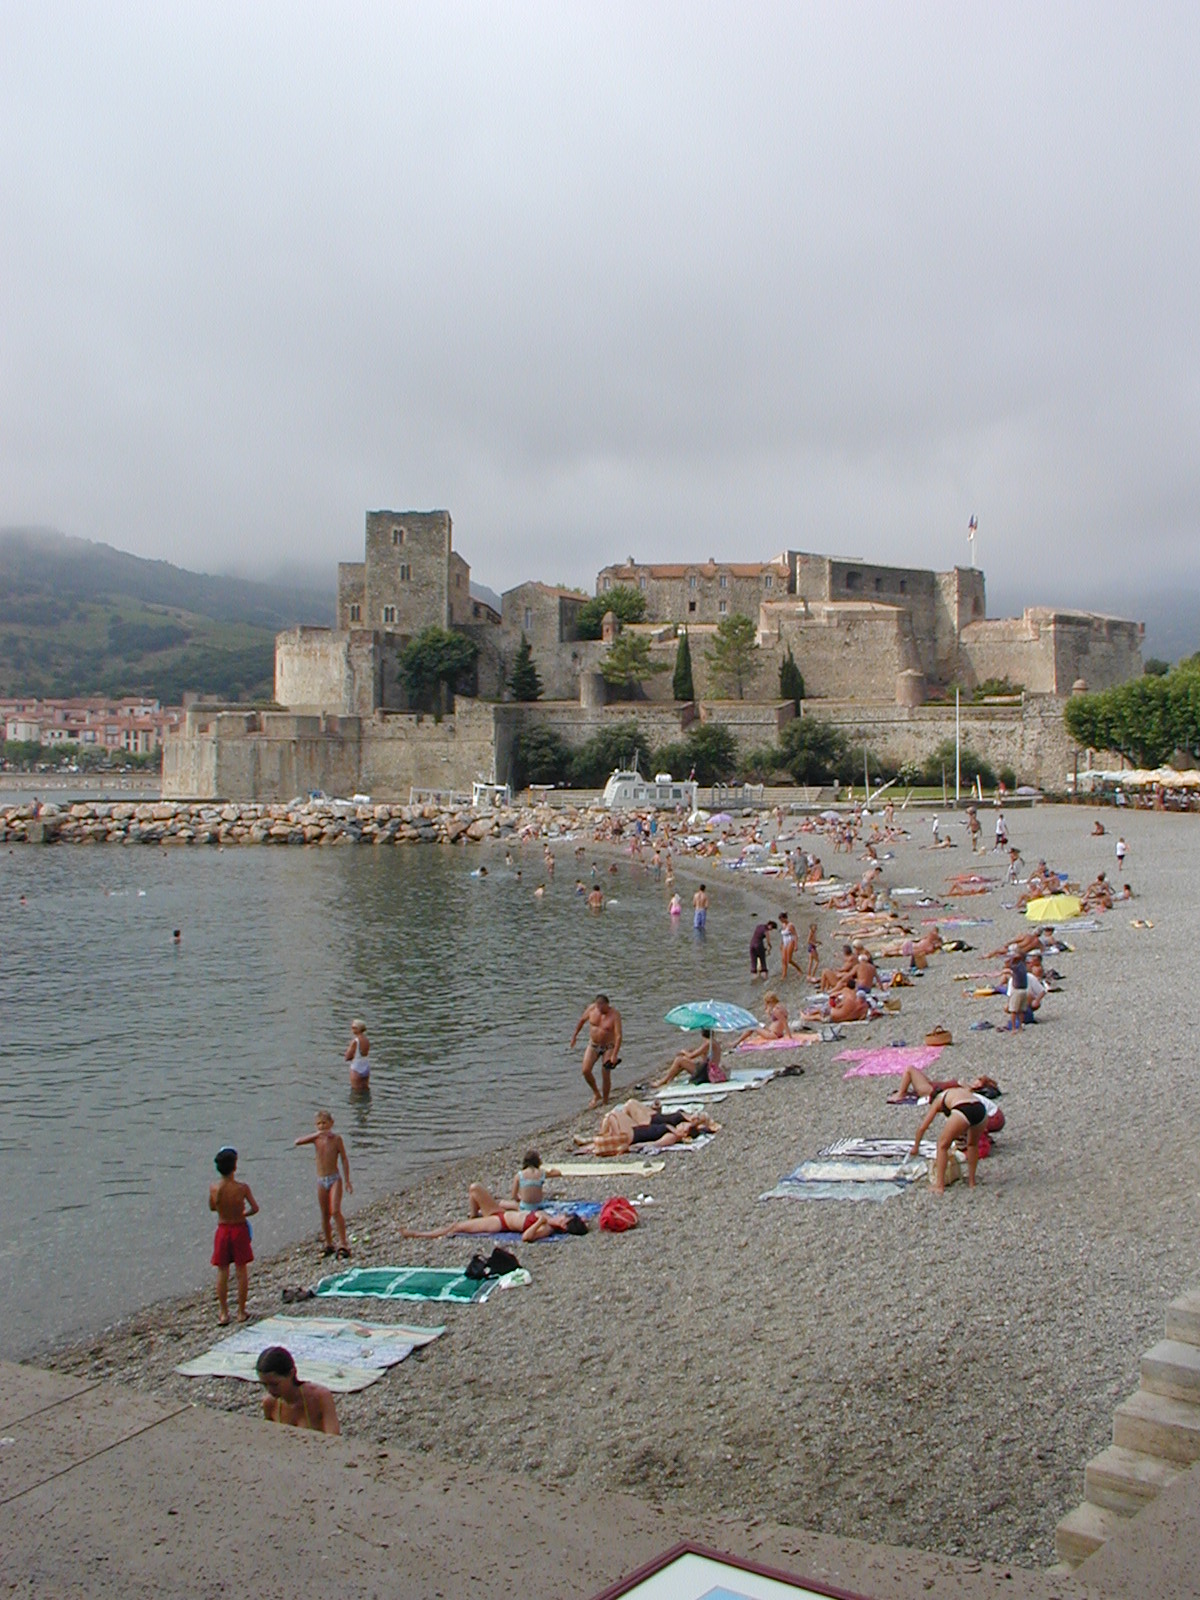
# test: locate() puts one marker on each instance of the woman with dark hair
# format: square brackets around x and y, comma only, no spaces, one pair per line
[288,1399]
[486,1214]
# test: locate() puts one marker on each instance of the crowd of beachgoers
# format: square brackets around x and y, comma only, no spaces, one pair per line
[929,1012]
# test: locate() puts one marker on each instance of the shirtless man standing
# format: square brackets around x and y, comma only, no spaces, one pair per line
[603,1022]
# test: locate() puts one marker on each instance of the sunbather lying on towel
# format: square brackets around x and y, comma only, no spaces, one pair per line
[917,1083]
[916,951]
[648,1127]
[486,1214]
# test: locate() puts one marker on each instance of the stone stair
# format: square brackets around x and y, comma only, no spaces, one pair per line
[1156,1435]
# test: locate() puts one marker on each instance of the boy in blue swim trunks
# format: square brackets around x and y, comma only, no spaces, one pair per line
[330,1150]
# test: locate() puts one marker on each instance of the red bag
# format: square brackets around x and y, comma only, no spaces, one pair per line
[617,1214]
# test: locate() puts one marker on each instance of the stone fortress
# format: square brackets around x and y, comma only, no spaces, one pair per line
[875,645]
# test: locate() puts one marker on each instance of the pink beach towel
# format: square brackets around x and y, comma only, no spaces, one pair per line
[888,1061]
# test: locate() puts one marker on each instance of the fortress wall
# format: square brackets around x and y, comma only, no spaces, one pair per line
[1012,648]
[352,591]
[846,652]
[403,750]
[751,724]
[1030,738]
[313,671]
[1104,651]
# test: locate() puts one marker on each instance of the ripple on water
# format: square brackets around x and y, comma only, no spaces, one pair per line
[126,1060]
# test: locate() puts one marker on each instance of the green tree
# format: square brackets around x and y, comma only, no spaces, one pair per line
[433,664]
[1145,719]
[626,604]
[682,687]
[1155,667]
[731,656]
[791,681]
[811,750]
[539,756]
[629,661]
[710,750]
[622,744]
[526,682]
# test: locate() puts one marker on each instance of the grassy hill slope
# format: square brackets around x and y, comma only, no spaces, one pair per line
[82,618]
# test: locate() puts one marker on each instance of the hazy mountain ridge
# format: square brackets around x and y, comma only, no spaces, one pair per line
[77,618]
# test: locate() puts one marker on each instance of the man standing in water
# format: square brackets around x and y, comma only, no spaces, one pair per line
[700,909]
[603,1022]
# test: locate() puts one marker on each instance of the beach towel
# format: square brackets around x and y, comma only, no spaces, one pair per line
[607,1169]
[876,1149]
[416,1283]
[887,1060]
[856,1176]
[834,1191]
[683,1089]
[776,1044]
[345,1356]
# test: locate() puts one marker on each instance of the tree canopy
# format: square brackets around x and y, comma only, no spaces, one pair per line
[433,665]
[1146,720]
[791,682]
[629,661]
[626,604]
[731,655]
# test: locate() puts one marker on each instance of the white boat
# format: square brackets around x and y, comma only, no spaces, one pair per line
[488,795]
[627,790]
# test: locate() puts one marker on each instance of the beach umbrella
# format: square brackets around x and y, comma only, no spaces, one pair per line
[719,1014]
[1053,908]
[721,816]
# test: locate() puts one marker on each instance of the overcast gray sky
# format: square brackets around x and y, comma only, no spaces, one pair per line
[608,279]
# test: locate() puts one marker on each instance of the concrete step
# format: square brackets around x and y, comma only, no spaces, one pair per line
[1082,1531]
[1126,1480]
[1156,1425]
[1173,1368]
[1183,1318]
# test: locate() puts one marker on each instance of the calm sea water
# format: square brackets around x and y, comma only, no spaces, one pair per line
[126,1061]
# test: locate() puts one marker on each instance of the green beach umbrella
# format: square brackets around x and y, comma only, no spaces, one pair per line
[719,1014]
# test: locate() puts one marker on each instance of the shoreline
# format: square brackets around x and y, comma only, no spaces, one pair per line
[874,1371]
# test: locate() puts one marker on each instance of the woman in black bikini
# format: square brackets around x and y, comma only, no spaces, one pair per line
[965,1113]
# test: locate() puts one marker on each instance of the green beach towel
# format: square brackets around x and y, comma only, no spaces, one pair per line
[416,1283]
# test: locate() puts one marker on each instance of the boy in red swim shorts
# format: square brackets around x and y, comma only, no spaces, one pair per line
[232,1201]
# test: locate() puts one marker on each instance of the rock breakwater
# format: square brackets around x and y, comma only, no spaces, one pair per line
[311,822]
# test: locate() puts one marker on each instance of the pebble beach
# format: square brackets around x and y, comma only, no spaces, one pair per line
[931,1372]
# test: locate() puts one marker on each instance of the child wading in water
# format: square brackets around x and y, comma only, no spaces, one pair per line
[232,1201]
[330,1150]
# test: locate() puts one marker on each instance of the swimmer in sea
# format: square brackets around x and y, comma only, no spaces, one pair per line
[357,1052]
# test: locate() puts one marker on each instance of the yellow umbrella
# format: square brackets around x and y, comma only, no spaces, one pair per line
[1053,908]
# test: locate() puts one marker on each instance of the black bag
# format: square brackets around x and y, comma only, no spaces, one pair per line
[501,1261]
[475,1268]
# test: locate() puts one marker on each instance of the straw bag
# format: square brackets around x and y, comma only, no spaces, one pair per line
[938,1036]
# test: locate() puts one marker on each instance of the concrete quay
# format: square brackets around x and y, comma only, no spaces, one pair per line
[109,1492]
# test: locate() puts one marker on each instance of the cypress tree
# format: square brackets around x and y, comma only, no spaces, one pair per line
[681,685]
[791,683]
[526,682]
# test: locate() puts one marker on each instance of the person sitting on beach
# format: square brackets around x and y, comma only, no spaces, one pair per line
[775,1023]
[486,1214]
[698,1063]
[357,1053]
[529,1185]
[1125,894]
[1098,895]
[843,1005]
[291,1400]
[866,974]
[836,977]
[965,1113]
[1098,829]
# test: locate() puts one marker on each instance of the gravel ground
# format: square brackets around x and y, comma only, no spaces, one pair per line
[927,1372]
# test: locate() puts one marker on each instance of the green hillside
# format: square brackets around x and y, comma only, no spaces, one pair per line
[80,618]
